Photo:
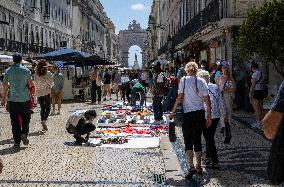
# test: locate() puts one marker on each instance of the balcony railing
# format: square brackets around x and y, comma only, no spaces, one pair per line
[20,47]
[208,15]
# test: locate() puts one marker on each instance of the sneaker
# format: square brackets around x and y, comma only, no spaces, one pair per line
[105,99]
[25,139]
[58,113]
[44,127]
[99,103]
[53,113]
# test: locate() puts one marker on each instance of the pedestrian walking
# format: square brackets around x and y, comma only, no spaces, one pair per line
[126,90]
[43,83]
[116,79]
[93,77]
[217,109]
[57,90]
[273,126]
[213,71]
[257,94]
[227,87]
[107,85]
[172,93]
[99,82]
[158,94]
[193,92]
[16,85]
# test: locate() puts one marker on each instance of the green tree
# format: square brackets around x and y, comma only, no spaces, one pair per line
[262,33]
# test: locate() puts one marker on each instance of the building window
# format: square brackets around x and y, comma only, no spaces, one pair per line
[62,17]
[26,33]
[56,42]
[53,40]
[41,32]
[32,35]
[41,6]
[46,38]
[37,35]
[49,40]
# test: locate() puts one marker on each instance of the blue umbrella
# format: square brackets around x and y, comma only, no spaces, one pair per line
[65,54]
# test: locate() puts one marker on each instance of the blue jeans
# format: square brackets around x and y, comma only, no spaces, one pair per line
[158,107]
[171,98]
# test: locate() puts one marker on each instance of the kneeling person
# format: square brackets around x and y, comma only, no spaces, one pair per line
[81,123]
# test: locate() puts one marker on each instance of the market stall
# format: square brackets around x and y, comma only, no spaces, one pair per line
[123,126]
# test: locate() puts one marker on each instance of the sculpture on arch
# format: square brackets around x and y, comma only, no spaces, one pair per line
[134,35]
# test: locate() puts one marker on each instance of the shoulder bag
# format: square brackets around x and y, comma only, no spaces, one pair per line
[179,114]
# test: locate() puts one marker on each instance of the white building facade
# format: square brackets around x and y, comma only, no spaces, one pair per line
[35,26]
[89,27]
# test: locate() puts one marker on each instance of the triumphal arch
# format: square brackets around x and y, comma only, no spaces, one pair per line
[134,35]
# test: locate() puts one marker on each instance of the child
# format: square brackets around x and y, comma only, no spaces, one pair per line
[80,123]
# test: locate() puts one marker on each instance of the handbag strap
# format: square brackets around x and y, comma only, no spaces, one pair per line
[259,79]
[184,84]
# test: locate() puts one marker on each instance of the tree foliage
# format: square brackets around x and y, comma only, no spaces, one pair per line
[262,33]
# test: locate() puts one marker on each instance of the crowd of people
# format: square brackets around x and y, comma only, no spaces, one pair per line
[205,94]
[23,88]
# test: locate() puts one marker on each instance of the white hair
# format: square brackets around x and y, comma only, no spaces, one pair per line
[204,75]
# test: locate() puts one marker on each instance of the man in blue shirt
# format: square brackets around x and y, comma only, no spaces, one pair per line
[16,85]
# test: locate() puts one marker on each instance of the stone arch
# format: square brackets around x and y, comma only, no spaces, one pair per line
[134,35]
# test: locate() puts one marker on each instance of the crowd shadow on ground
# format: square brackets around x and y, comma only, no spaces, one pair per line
[11,149]
[236,162]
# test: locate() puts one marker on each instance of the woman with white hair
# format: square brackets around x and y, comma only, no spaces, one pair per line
[192,94]
[217,109]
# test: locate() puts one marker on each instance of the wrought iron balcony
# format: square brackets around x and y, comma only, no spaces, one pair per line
[208,15]
[211,13]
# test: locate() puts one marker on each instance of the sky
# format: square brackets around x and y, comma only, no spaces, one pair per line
[122,12]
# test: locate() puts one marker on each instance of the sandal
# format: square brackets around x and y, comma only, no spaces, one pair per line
[199,171]
[191,172]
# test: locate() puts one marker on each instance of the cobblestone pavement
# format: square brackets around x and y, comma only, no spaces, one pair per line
[48,162]
[243,162]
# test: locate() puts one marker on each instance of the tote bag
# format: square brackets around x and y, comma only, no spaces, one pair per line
[179,114]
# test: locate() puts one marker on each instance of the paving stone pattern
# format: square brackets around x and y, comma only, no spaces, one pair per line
[48,162]
[243,162]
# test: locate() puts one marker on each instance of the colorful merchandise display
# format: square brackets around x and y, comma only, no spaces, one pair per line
[119,124]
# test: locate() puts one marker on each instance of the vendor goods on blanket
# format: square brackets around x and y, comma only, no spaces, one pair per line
[117,140]
[119,124]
